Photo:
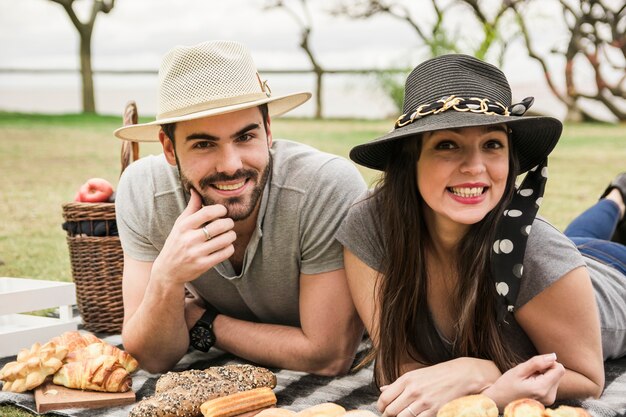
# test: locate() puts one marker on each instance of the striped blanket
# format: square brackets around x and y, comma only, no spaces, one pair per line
[298,390]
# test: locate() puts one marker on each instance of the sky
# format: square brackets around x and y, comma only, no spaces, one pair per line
[137,33]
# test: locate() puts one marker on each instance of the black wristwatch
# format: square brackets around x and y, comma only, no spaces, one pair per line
[201,335]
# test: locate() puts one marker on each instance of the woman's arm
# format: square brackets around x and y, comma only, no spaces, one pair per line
[425,389]
[564,319]
[362,285]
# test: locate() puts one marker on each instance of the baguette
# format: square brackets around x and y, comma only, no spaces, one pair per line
[239,403]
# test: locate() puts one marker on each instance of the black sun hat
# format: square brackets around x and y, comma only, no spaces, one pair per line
[455,91]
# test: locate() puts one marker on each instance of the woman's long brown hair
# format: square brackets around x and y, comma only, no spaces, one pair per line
[406,329]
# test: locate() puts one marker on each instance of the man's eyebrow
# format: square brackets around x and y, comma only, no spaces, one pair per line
[202,136]
[206,136]
[246,129]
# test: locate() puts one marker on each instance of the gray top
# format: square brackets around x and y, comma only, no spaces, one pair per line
[305,200]
[549,256]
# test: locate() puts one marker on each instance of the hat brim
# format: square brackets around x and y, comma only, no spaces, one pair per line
[534,137]
[149,132]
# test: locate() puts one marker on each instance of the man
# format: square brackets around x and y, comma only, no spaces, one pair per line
[243,222]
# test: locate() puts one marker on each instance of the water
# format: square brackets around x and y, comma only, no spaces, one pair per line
[343,95]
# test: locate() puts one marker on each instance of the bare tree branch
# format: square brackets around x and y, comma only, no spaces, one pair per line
[305,25]
[85,31]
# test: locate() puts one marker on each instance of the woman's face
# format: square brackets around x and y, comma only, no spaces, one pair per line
[462,173]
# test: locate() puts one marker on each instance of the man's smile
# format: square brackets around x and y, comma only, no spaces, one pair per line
[229,187]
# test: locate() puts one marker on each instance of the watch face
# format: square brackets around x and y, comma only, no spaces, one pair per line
[202,338]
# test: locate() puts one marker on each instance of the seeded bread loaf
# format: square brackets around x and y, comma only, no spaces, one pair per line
[180,394]
[183,401]
[246,377]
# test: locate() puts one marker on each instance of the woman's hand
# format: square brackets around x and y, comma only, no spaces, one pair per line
[423,391]
[537,378]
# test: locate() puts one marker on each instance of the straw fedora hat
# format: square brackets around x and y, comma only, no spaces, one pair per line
[208,79]
[455,91]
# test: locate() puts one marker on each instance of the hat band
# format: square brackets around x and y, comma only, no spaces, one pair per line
[460,104]
[214,104]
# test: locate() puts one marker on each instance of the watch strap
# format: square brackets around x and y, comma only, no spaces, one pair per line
[201,335]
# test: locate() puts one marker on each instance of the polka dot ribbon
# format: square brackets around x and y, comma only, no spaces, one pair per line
[512,235]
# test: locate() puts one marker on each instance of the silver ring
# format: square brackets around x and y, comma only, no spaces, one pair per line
[411,411]
[207,235]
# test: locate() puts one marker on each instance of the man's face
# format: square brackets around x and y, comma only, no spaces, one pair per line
[225,158]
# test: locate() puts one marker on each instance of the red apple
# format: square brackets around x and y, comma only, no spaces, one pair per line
[95,190]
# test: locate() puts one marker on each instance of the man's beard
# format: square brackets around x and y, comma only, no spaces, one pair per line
[237,207]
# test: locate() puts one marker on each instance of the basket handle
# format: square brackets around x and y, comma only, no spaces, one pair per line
[129,148]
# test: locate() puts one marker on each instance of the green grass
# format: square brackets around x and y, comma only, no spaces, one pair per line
[44,159]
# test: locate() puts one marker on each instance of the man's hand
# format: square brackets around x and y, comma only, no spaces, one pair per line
[187,253]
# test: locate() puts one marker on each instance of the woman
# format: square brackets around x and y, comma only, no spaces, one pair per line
[457,293]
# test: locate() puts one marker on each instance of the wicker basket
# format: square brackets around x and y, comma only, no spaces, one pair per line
[98,261]
[97,265]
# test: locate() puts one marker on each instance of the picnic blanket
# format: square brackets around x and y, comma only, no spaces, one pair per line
[299,390]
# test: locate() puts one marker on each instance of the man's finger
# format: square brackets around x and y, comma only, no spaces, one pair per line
[194,204]
[206,215]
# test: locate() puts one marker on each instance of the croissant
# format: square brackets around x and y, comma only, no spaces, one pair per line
[101,348]
[75,340]
[32,367]
[103,373]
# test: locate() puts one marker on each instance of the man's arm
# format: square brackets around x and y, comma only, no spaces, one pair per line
[155,327]
[326,342]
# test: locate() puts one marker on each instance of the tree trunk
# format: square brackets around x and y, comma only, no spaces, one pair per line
[86,72]
[318,93]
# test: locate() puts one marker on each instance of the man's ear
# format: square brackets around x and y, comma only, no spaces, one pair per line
[168,148]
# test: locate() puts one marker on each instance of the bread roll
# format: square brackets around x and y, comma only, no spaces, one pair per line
[322,410]
[276,412]
[32,367]
[360,413]
[469,406]
[566,411]
[524,407]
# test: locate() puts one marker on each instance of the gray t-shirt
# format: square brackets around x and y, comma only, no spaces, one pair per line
[303,204]
[549,256]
